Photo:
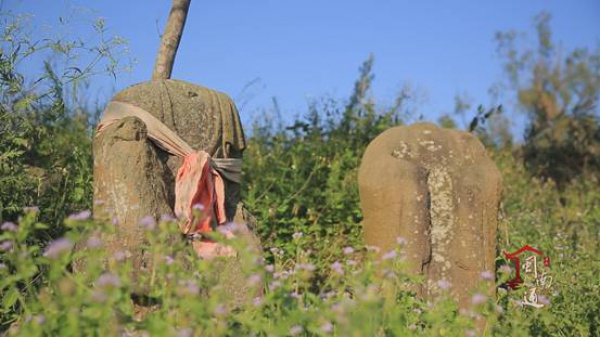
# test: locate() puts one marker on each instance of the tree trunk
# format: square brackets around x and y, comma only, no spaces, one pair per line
[170,40]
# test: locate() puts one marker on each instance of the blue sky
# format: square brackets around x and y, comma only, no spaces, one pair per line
[299,51]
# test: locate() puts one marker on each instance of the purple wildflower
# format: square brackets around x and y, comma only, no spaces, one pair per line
[295,330]
[189,287]
[506,269]
[470,333]
[307,266]
[121,255]
[478,299]
[169,260]
[297,235]
[257,301]
[186,332]
[327,327]
[337,267]
[444,284]
[94,242]
[108,280]
[270,268]
[148,223]
[348,250]
[58,247]
[487,275]
[220,310]
[254,279]
[543,300]
[115,221]
[198,207]
[389,255]
[80,216]
[5,246]
[166,218]
[274,285]
[351,262]
[9,227]
[400,240]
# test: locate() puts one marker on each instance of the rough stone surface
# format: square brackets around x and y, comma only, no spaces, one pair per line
[133,178]
[437,189]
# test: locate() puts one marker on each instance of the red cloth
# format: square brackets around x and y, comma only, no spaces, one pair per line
[199,183]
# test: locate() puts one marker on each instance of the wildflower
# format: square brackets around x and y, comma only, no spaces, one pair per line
[295,294]
[351,262]
[499,309]
[257,301]
[108,280]
[169,260]
[518,303]
[9,227]
[198,207]
[5,246]
[470,333]
[543,299]
[444,285]
[93,242]
[270,268]
[58,247]
[188,287]
[115,221]
[121,255]
[275,250]
[400,240]
[307,266]
[487,275]
[297,235]
[337,267]
[80,216]
[274,285]
[295,330]
[348,250]
[478,299]
[412,327]
[166,218]
[186,332]
[99,202]
[506,269]
[220,310]
[254,279]
[39,319]
[148,223]
[327,327]
[389,255]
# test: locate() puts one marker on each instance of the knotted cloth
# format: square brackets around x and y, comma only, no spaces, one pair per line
[199,179]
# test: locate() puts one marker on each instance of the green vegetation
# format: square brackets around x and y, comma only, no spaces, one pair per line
[300,183]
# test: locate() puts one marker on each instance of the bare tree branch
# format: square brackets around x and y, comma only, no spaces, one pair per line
[170,40]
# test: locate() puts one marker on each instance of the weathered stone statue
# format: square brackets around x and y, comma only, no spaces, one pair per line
[135,178]
[163,148]
[438,190]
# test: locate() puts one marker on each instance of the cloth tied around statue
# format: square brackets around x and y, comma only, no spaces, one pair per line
[199,184]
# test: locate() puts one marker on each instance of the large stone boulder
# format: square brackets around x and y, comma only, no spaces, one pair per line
[438,190]
[133,178]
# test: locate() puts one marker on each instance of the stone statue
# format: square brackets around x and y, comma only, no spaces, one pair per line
[438,190]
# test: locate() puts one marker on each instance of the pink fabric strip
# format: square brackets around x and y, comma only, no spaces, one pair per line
[197,181]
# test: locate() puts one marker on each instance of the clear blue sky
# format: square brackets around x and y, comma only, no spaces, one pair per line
[297,50]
